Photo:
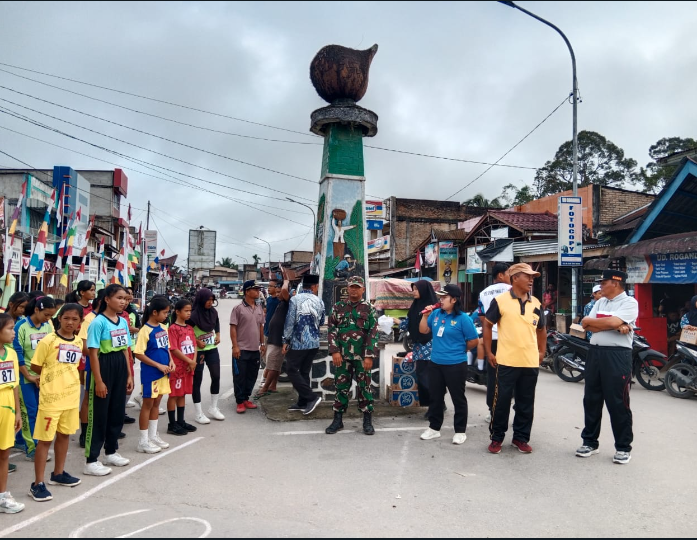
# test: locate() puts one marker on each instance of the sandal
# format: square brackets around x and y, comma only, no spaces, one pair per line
[259,396]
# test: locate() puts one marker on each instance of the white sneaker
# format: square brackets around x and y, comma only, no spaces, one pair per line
[130,403]
[162,410]
[138,400]
[488,418]
[202,419]
[116,460]
[9,505]
[96,469]
[148,447]
[459,438]
[159,442]
[215,414]
[430,434]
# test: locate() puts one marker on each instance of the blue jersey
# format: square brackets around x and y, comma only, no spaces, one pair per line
[153,342]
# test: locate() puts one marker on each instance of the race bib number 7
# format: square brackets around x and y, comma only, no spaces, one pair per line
[69,354]
[118,338]
[7,372]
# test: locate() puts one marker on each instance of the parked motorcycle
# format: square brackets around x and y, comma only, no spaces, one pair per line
[681,372]
[554,342]
[570,361]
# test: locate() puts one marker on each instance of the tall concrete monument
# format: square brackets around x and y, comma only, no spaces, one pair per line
[340,76]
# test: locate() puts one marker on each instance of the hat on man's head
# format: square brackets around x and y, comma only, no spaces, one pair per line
[596,288]
[524,268]
[310,279]
[450,290]
[250,284]
[614,275]
[356,280]
[347,256]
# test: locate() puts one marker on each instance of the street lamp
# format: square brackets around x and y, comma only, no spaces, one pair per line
[574,270]
[314,219]
[269,250]
[241,257]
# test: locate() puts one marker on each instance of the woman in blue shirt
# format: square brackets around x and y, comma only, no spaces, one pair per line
[453,335]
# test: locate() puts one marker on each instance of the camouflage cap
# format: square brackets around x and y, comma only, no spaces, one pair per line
[355,280]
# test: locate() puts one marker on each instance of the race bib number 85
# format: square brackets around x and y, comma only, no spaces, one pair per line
[118,338]
[7,372]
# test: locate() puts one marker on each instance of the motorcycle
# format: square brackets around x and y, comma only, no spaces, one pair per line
[681,372]
[405,339]
[554,342]
[570,361]
[474,375]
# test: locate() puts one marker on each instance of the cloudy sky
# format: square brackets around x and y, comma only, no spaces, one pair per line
[459,80]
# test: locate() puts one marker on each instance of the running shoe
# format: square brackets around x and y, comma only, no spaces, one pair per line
[39,492]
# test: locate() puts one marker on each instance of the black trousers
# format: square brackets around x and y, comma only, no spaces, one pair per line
[211,357]
[453,377]
[106,415]
[522,382]
[608,378]
[245,370]
[298,368]
[422,371]
[491,377]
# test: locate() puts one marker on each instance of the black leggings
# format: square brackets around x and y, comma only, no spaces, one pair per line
[212,360]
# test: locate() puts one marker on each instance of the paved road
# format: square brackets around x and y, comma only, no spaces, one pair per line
[248,476]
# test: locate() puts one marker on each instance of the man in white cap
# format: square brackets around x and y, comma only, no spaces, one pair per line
[595,296]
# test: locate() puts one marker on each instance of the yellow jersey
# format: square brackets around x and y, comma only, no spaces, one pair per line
[85,324]
[60,381]
[9,368]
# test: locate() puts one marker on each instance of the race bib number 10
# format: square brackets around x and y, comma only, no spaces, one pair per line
[7,372]
[69,354]
[162,340]
[118,338]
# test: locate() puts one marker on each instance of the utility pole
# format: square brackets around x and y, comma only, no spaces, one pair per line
[145,263]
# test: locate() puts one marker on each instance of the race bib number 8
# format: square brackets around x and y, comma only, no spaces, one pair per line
[35,338]
[7,372]
[118,338]
[69,354]
[188,347]
[162,340]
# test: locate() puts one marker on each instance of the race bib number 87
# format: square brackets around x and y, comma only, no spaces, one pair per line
[118,338]
[7,372]
[69,354]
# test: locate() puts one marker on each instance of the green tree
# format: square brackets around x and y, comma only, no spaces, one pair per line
[512,195]
[226,262]
[656,175]
[482,202]
[256,259]
[600,161]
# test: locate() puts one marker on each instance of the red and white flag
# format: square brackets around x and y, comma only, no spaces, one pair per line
[418,262]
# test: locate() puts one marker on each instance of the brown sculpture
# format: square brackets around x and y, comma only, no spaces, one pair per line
[340,73]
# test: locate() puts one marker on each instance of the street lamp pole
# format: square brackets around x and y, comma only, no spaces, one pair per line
[314,219]
[269,250]
[574,269]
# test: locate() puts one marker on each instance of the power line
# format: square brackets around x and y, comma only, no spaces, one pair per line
[161,235]
[513,148]
[30,120]
[151,135]
[155,99]
[418,154]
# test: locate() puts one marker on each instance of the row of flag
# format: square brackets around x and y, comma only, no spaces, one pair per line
[129,255]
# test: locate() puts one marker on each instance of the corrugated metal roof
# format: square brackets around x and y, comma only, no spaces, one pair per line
[527,221]
[544,247]
[674,243]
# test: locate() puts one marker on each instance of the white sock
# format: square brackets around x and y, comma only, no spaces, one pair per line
[197,408]
[469,358]
[480,364]
[152,429]
[143,436]
[214,401]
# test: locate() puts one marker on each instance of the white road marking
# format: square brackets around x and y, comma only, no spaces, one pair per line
[205,523]
[15,455]
[228,393]
[386,429]
[94,490]
[77,532]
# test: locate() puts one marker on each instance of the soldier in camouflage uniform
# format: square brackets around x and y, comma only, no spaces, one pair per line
[353,338]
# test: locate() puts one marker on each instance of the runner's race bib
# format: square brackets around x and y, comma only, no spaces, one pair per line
[69,354]
[188,347]
[7,372]
[118,338]
[35,338]
[162,340]
[208,339]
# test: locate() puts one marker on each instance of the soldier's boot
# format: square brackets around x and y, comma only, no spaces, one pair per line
[368,428]
[336,424]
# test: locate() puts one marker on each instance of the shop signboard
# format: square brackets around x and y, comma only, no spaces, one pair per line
[374,224]
[373,209]
[668,268]
[151,243]
[379,244]
[474,263]
[430,255]
[447,262]
[570,231]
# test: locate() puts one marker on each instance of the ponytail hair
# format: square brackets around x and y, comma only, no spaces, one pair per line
[67,307]
[181,304]
[40,303]
[83,286]
[109,291]
[157,303]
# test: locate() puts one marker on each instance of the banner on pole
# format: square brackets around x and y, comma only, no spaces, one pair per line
[570,231]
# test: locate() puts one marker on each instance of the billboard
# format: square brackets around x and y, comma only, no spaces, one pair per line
[430,255]
[379,244]
[373,209]
[570,231]
[447,262]
[151,243]
[201,249]
[672,268]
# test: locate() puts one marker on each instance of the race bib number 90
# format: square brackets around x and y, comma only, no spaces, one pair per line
[188,347]
[162,340]
[69,354]
[118,338]
[7,372]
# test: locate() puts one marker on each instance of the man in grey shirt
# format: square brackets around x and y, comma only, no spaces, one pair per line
[609,366]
